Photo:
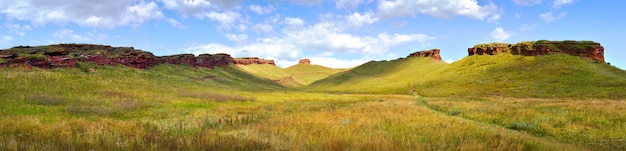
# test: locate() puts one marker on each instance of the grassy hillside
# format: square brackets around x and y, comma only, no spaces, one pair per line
[295,76]
[526,76]
[381,76]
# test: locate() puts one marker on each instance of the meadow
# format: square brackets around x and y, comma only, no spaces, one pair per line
[176,107]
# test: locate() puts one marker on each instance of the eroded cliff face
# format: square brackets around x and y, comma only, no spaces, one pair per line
[253,60]
[304,61]
[66,56]
[587,49]
[433,53]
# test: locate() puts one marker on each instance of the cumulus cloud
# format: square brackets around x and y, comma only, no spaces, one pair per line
[527,2]
[86,13]
[549,17]
[68,34]
[353,4]
[239,38]
[226,20]
[323,37]
[500,35]
[559,3]
[358,20]
[260,9]
[17,28]
[187,7]
[438,9]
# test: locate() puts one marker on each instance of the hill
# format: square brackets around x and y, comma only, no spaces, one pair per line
[557,75]
[381,76]
[295,76]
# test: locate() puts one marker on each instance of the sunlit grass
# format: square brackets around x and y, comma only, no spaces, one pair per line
[597,123]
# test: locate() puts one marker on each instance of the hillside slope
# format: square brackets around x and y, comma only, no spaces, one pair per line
[103,82]
[556,75]
[295,76]
[381,76]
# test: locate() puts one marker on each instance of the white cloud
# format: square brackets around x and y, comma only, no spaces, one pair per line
[500,35]
[264,28]
[527,2]
[175,23]
[239,38]
[438,9]
[6,38]
[68,34]
[261,10]
[493,18]
[517,15]
[294,21]
[187,7]
[211,48]
[18,29]
[358,20]
[559,3]
[353,4]
[549,17]
[307,2]
[226,19]
[86,13]
[527,27]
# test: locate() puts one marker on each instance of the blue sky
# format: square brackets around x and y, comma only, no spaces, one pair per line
[333,33]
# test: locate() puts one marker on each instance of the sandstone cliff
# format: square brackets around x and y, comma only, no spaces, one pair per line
[433,53]
[304,61]
[66,56]
[587,49]
[253,60]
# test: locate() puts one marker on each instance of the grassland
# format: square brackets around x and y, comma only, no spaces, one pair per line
[295,76]
[173,107]
[381,77]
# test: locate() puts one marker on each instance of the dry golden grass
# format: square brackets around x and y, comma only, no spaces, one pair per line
[598,124]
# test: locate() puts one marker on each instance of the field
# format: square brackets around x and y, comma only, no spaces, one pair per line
[173,107]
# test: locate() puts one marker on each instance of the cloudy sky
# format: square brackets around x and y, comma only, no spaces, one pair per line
[334,33]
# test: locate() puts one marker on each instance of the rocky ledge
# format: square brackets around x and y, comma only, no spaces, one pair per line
[304,61]
[587,49]
[67,55]
[432,53]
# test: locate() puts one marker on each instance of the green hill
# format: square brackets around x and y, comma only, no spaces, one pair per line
[295,76]
[381,76]
[94,82]
[558,75]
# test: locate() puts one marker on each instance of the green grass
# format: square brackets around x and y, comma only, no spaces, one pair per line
[384,77]
[294,77]
[551,76]
[597,123]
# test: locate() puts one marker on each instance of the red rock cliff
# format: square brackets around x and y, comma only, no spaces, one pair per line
[66,56]
[304,61]
[253,60]
[587,49]
[433,53]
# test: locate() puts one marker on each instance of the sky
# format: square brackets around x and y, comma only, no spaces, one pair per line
[332,33]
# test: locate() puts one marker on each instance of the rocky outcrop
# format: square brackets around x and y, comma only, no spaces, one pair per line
[253,60]
[433,53]
[304,61]
[66,56]
[587,49]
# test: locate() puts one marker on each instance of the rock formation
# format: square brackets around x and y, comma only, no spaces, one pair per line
[253,60]
[587,49]
[433,53]
[66,56]
[304,61]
